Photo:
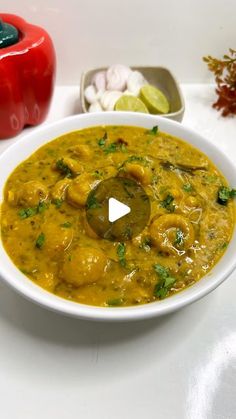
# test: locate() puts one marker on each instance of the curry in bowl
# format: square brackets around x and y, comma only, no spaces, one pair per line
[46,233]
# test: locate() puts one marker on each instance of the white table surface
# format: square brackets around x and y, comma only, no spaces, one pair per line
[182,366]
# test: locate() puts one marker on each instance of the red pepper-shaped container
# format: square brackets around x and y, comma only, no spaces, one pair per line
[27,74]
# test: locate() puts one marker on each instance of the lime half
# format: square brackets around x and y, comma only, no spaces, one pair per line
[154,99]
[130,103]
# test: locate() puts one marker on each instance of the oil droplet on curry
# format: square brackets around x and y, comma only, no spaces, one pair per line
[46,234]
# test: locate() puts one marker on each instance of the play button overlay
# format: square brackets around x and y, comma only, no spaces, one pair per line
[118,209]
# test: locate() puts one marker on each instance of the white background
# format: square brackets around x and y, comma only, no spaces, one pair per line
[182,366]
[90,33]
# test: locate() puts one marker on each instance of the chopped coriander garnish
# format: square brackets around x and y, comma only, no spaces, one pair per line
[224,245]
[63,168]
[146,244]
[102,141]
[179,239]
[111,148]
[58,203]
[92,202]
[115,302]
[162,271]
[119,145]
[167,203]
[187,187]
[42,206]
[154,130]
[40,241]
[27,212]
[67,224]
[224,194]
[121,249]
[221,246]
[165,281]
[30,212]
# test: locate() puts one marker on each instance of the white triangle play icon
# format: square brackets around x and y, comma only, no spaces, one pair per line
[116,210]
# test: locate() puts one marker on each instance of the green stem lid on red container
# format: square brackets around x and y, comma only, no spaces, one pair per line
[27,74]
[9,35]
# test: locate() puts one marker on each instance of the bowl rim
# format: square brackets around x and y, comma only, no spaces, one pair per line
[170,115]
[23,285]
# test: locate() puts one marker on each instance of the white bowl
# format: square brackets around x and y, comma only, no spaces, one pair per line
[31,142]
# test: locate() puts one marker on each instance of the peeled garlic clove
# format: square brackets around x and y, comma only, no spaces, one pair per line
[99,80]
[109,99]
[90,94]
[99,94]
[95,107]
[135,82]
[117,76]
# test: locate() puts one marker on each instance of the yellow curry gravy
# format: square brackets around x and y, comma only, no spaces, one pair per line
[46,234]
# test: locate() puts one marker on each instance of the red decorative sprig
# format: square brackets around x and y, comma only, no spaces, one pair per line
[225,77]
